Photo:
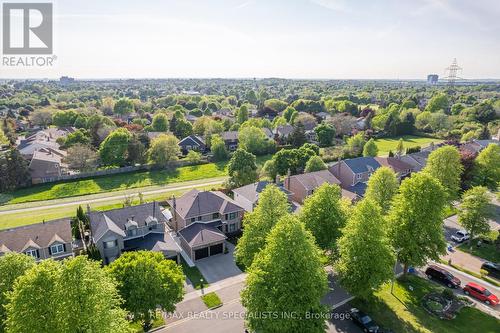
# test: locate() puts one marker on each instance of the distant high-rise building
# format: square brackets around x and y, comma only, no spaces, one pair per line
[66,80]
[432,78]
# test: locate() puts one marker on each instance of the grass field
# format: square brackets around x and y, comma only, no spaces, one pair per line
[118,182]
[16,219]
[386,144]
[211,300]
[403,312]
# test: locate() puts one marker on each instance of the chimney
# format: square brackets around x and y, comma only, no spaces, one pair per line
[88,209]
[154,208]
[174,204]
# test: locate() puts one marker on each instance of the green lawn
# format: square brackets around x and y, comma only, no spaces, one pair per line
[386,144]
[118,182]
[136,326]
[404,312]
[485,251]
[12,220]
[211,300]
[194,275]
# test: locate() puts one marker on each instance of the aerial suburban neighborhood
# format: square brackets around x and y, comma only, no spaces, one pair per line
[250,175]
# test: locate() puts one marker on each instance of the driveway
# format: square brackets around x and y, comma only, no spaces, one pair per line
[219,267]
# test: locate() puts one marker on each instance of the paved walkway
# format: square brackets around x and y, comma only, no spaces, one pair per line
[465,260]
[83,200]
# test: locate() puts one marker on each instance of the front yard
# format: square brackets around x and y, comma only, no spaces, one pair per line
[194,275]
[487,251]
[403,311]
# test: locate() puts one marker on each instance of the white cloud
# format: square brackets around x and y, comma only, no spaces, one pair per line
[335,5]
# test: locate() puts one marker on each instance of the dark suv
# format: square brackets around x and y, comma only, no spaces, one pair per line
[443,276]
[492,269]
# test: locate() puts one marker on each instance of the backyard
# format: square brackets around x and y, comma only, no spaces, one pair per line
[118,182]
[384,145]
[403,311]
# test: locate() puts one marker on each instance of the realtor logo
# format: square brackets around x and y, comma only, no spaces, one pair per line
[27,28]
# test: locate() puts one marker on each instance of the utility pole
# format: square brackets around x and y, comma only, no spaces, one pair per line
[452,72]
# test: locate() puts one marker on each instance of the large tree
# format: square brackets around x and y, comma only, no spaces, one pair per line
[444,165]
[474,211]
[14,171]
[82,158]
[487,167]
[218,148]
[113,150]
[382,186]
[315,163]
[323,214]
[136,273]
[325,133]
[12,266]
[370,148]
[272,205]
[366,256]
[74,295]
[286,278]
[242,169]
[254,140]
[124,106]
[164,149]
[160,123]
[416,220]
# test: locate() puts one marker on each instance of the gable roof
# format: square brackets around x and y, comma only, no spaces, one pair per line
[284,130]
[115,220]
[359,189]
[201,234]
[251,191]
[229,136]
[362,164]
[195,203]
[39,235]
[394,163]
[313,180]
[192,139]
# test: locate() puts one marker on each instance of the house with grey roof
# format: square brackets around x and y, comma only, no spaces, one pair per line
[248,196]
[141,227]
[230,140]
[47,164]
[51,239]
[203,219]
[192,142]
[354,173]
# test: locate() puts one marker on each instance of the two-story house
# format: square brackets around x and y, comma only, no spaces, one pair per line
[141,227]
[354,173]
[248,196]
[203,219]
[230,140]
[51,239]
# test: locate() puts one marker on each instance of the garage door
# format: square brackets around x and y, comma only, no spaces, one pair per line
[201,253]
[215,249]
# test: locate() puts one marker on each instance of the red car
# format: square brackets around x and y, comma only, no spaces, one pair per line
[481,293]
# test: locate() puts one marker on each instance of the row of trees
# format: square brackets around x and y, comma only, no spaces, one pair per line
[282,252]
[77,295]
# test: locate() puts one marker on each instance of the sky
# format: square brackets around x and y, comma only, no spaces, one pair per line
[310,39]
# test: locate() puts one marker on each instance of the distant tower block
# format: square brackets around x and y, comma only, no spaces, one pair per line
[432,79]
[452,72]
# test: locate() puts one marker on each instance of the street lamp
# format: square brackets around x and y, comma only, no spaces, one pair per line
[201,281]
[394,271]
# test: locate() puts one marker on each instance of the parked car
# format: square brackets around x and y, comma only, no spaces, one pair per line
[443,276]
[364,321]
[481,293]
[492,269]
[460,236]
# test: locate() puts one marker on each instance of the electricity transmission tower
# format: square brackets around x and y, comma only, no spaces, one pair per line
[452,72]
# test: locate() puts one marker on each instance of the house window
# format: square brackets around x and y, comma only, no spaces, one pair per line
[56,249]
[232,227]
[358,176]
[232,216]
[199,218]
[132,232]
[193,219]
[215,215]
[110,244]
[32,253]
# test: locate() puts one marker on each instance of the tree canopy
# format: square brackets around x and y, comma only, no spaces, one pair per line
[242,169]
[444,165]
[382,187]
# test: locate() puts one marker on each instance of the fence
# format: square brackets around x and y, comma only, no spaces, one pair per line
[106,172]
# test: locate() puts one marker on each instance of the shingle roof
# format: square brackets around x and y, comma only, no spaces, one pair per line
[251,191]
[359,189]
[361,164]
[39,235]
[195,203]
[229,135]
[198,140]
[313,180]
[115,219]
[394,163]
[201,234]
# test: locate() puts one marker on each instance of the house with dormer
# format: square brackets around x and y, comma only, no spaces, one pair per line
[46,240]
[141,227]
